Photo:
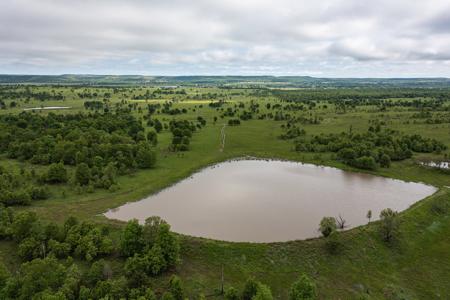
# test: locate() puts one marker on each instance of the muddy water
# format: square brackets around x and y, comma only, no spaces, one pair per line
[268,201]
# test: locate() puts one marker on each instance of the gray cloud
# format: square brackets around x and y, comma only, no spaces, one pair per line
[292,37]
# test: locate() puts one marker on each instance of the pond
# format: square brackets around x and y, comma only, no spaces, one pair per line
[270,201]
[47,108]
[437,165]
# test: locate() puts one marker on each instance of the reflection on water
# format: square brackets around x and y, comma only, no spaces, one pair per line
[268,201]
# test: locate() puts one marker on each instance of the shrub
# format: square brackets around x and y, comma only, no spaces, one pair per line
[303,289]
[56,173]
[327,226]
[389,224]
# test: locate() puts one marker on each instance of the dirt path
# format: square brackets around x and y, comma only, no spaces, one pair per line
[222,137]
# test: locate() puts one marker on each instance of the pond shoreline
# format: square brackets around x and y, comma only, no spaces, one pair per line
[218,184]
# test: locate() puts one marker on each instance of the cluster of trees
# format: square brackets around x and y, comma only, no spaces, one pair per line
[94,105]
[372,149]
[302,289]
[182,131]
[15,189]
[150,249]
[29,93]
[98,145]
[388,227]
[50,272]
[234,122]
[36,239]
[292,132]
[350,98]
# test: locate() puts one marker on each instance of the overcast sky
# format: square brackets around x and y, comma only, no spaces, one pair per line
[329,38]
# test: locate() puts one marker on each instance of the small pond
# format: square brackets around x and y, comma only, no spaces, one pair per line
[270,201]
[47,108]
[437,165]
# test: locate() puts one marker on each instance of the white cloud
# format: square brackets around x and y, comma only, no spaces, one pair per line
[296,37]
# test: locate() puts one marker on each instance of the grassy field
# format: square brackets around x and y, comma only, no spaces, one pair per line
[416,267]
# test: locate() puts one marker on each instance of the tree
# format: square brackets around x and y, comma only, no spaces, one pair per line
[136,270]
[176,288]
[156,262]
[389,224]
[30,248]
[169,245]
[369,215]
[40,275]
[56,173]
[250,289]
[263,293]
[167,296]
[23,225]
[82,174]
[131,241]
[151,230]
[327,226]
[96,272]
[231,294]
[385,161]
[303,288]
[4,275]
[152,137]
[158,126]
[145,156]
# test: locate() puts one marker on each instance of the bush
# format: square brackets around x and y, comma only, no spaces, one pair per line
[82,174]
[132,239]
[250,289]
[303,289]
[389,224]
[327,226]
[231,294]
[56,173]
[176,288]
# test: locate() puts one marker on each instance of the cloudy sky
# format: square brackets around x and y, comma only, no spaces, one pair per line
[329,38]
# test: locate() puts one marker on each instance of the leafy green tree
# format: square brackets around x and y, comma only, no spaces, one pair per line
[40,275]
[145,156]
[169,245]
[151,230]
[369,215]
[152,137]
[82,174]
[263,293]
[158,126]
[231,294]
[176,287]
[167,296]
[24,224]
[136,270]
[96,273]
[30,248]
[250,289]
[56,173]
[156,261]
[385,161]
[389,224]
[4,276]
[132,241]
[327,226]
[71,285]
[303,289]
